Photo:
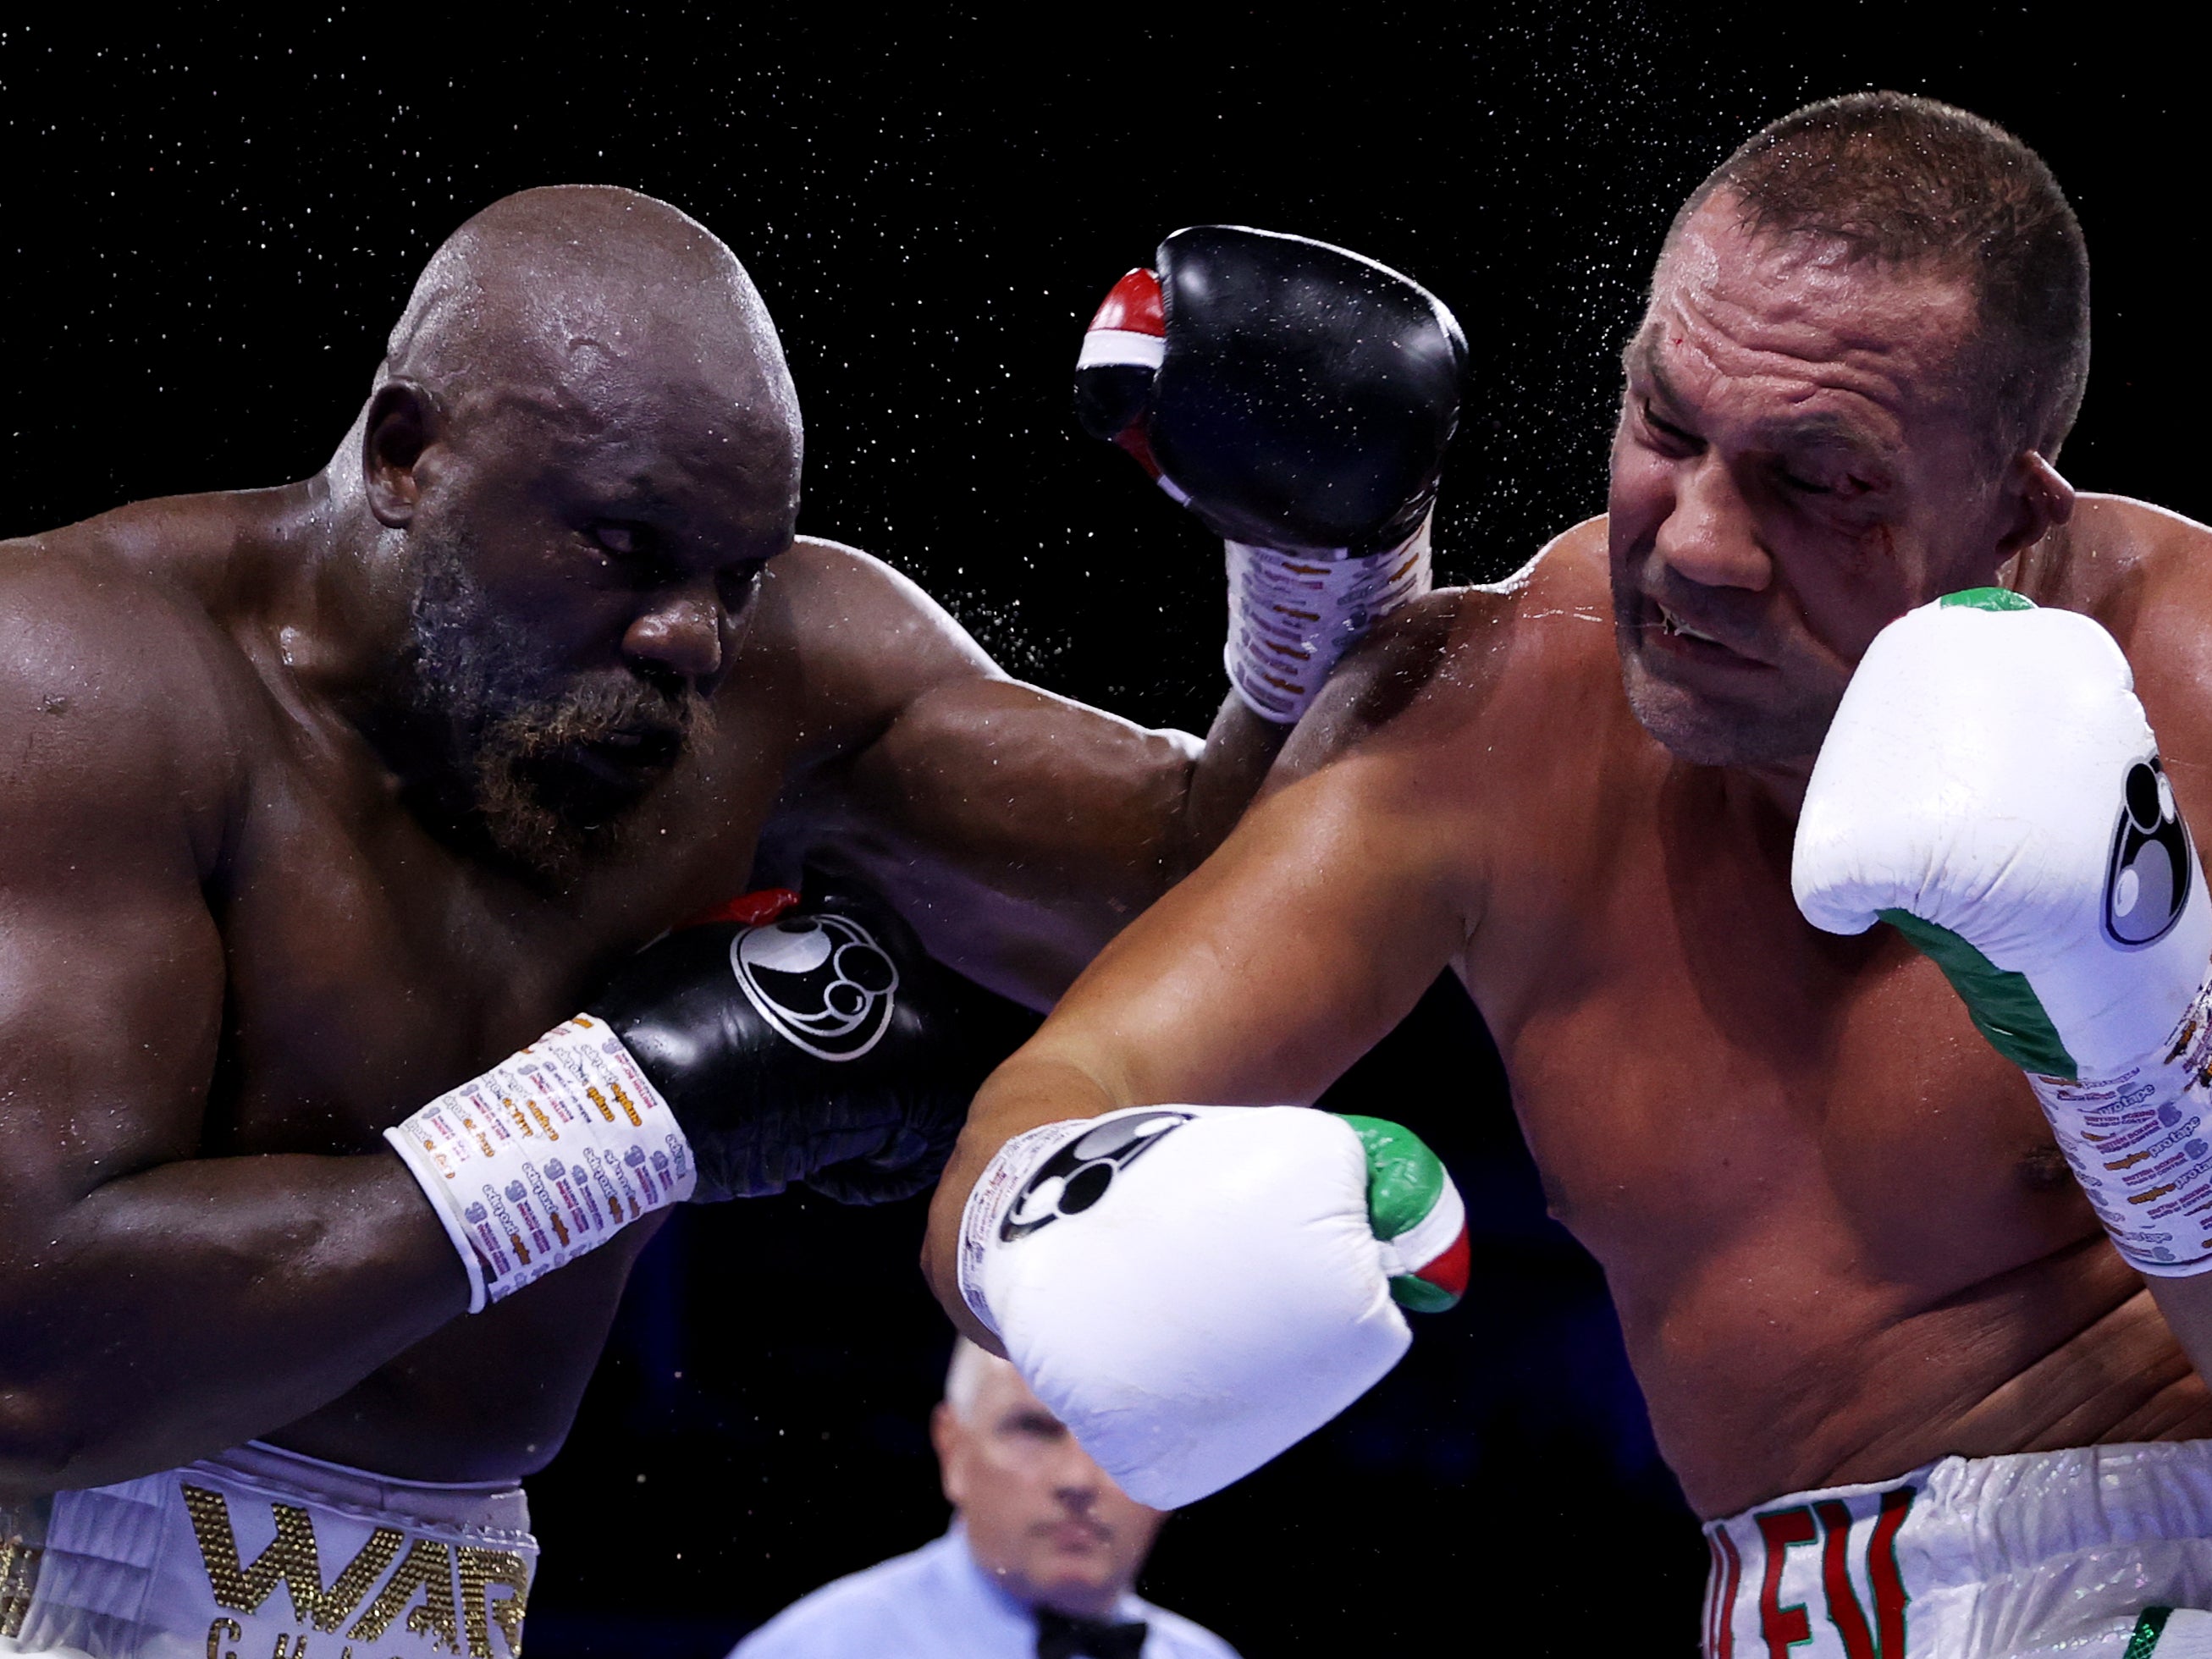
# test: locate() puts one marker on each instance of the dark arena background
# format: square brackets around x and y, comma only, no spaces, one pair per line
[210,226]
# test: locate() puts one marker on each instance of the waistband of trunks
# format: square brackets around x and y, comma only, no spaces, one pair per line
[2028,1506]
[1966,1543]
[466,1505]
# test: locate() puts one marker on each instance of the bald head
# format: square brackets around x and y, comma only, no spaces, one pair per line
[577,299]
[582,449]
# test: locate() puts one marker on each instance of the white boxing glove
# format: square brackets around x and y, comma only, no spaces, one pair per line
[1990,787]
[1192,1289]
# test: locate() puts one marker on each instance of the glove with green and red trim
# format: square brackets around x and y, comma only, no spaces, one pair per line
[1192,1289]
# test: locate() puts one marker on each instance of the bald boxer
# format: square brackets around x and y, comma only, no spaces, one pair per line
[335,1105]
[1925,1403]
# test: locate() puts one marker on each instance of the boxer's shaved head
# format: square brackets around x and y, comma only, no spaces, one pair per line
[586,436]
[1927,190]
[546,294]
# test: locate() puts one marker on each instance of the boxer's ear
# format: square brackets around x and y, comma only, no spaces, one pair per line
[2038,501]
[401,423]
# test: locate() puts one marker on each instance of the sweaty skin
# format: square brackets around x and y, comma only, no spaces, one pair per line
[239,936]
[1840,1238]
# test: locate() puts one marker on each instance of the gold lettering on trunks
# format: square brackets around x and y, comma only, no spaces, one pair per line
[223,1630]
[600,1101]
[291,1558]
[19,1571]
[479,1569]
[428,1567]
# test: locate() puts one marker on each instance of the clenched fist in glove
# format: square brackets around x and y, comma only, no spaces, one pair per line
[1298,399]
[1192,1289]
[811,1042]
[1990,787]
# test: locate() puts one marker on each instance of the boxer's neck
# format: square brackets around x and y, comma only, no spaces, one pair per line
[326,593]
[1778,788]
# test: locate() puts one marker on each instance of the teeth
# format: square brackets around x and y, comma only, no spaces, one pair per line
[1673,624]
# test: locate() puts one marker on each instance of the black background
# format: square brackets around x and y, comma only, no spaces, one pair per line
[210,225]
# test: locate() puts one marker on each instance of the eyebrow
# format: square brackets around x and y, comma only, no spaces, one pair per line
[1639,360]
[1823,429]
[1820,429]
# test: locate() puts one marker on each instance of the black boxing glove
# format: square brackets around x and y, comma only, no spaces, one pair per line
[1298,399]
[824,1046]
[776,1043]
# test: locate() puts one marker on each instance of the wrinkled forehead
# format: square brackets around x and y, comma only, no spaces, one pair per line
[1798,314]
[677,410]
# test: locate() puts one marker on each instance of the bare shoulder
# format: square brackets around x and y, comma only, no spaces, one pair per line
[845,642]
[2145,574]
[841,603]
[116,693]
[1440,672]
[2125,562]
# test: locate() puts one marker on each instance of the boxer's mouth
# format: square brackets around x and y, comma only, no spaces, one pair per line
[1693,643]
[623,756]
[1674,627]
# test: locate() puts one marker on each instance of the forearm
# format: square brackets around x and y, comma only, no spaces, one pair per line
[2187,1305]
[181,1310]
[1240,747]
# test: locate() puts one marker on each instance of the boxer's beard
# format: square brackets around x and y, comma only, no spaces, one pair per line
[548,764]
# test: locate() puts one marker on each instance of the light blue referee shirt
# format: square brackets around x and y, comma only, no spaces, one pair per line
[937,1603]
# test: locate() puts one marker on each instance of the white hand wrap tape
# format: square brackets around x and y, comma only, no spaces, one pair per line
[988,1201]
[1294,616]
[2139,1144]
[546,1154]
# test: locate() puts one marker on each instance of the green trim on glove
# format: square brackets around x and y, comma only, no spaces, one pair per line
[1404,1177]
[1405,1180]
[1987,598]
[2003,1005]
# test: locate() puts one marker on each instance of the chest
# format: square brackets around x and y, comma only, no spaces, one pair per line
[371,965]
[1697,1067]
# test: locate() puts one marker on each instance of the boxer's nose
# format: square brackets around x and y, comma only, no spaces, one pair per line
[680,631]
[1709,536]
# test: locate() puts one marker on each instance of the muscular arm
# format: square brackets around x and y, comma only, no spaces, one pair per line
[1019,829]
[154,1305]
[1309,934]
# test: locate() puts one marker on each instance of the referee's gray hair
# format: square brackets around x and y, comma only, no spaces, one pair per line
[964,1377]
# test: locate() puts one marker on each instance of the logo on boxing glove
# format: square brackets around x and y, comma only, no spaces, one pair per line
[822,983]
[2147,878]
[1076,1177]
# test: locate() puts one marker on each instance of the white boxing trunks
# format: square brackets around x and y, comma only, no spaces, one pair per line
[2099,1552]
[259,1553]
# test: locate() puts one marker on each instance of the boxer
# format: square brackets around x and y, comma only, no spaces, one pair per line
[1925,1403]
[339,1094]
